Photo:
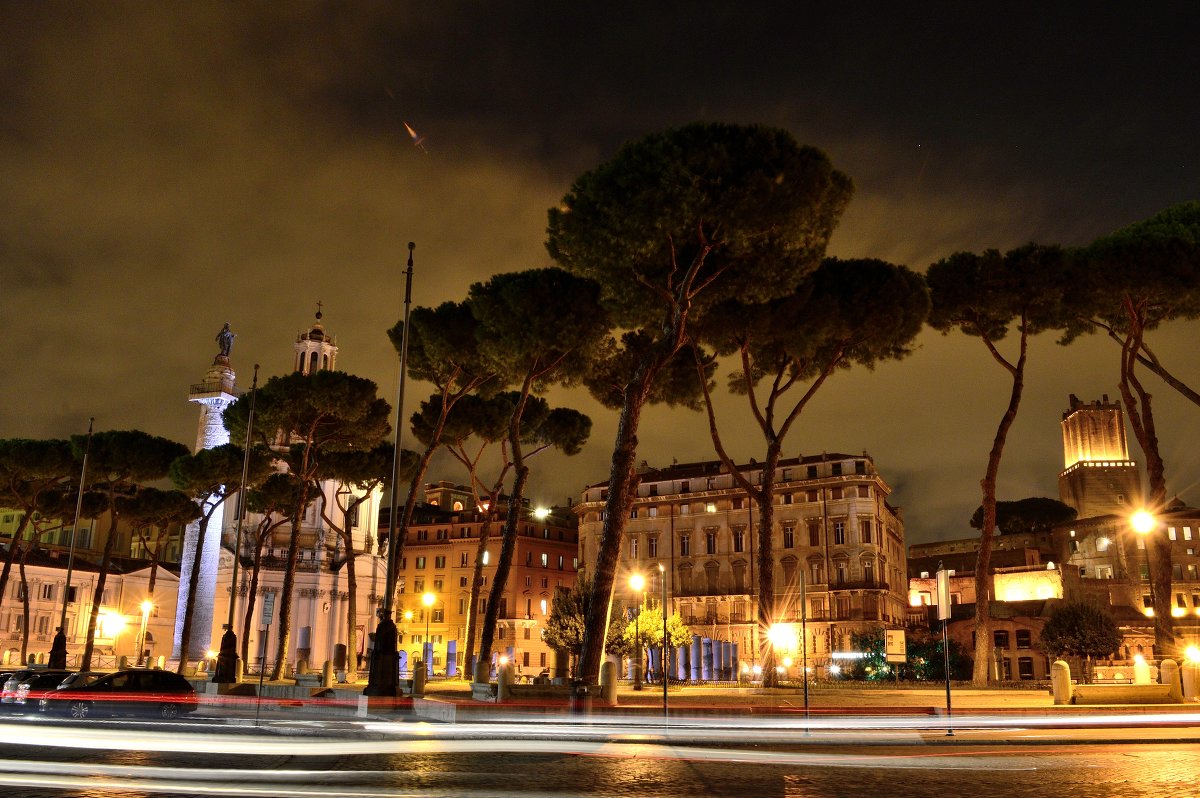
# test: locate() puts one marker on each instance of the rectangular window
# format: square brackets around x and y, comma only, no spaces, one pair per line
[482,606]
[864,525]
[652,512]
[685,545]
[462,606]
[439,586]
[710,542]
[814,533]
[739,540]
[1000,637]
[835,493]
[560,562]
[837,469]
[840,568]
[1024,638]
[420,563]
[684,486]
[789,537]
[633,548]
[785,498]
[462,581]
[462,559]
[545,560]
[529,581]
[48,592]
[684,509]
[1191,572]
[439,562]
[439,615]
[1171,533]
[542,659]
[1180,601]
[1025,668]
[633,513]
[839,533]
[812,472]
[419,585]
[652,546]
[1187,533]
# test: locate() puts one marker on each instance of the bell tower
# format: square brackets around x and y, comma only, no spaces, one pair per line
[315,349]
[1098,478]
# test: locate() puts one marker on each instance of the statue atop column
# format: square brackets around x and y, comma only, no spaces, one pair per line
[225,340]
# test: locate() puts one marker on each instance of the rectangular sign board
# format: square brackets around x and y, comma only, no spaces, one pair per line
[268,612]
[893,645]
[943,594]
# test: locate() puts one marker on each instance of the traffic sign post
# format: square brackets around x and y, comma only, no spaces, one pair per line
[943,599]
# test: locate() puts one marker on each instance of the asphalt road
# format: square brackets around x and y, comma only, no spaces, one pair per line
[361,760]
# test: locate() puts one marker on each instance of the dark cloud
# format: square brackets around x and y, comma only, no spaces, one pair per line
[164,169]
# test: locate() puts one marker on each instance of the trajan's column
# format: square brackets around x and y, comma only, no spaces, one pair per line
[214,393]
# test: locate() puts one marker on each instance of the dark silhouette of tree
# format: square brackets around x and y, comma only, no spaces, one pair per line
[1128,284]
[986,296]
[304,416]
[854,312]
[537,328]
[154,515]
[29,470]
[672,224]
[119,464]
[1080,630]
[356,474]
[273,501]
[443,349]
[1034,515]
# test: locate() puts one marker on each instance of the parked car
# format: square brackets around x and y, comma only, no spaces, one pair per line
[79,679]
[8,695]
[162,694]
[28,692]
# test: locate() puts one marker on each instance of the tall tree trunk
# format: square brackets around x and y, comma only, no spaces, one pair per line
[351,611]
[10,557]
[285,599]
[1158,547]
[251,596]
[981,673]
[767,615]
[477,586]
[24,607]
[504,561]
[85,662]
[620,499]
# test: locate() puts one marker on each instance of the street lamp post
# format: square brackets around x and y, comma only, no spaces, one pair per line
[147,605]
[638,583]
[58,649]
[383,679]
[227,660]
[662,578]
[428,599]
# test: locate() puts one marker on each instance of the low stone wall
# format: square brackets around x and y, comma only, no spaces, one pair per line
[1122,694]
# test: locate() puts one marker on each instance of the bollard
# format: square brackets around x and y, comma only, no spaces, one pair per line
[1190,674]
[418,689]
[239,669]
[327,674]
[608,683]
[1141,671]
[1168,674]
[504,683]
[1060,682]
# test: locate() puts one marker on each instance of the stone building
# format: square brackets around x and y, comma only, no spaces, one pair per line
[439,558]
[834,532]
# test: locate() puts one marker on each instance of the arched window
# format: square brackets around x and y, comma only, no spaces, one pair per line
[458,505]
[312,363]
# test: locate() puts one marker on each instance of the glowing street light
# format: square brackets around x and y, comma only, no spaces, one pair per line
[1143,523]
[147,606]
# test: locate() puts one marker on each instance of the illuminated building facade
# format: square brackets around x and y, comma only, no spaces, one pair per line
[439,558]
[832,524]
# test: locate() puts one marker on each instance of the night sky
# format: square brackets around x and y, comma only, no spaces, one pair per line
[165,168]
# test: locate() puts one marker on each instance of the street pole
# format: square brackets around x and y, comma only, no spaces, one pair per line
[943,588]
[226,670]
[58,649]
[146,607]
[662,577]
[804,644]
[383,679]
